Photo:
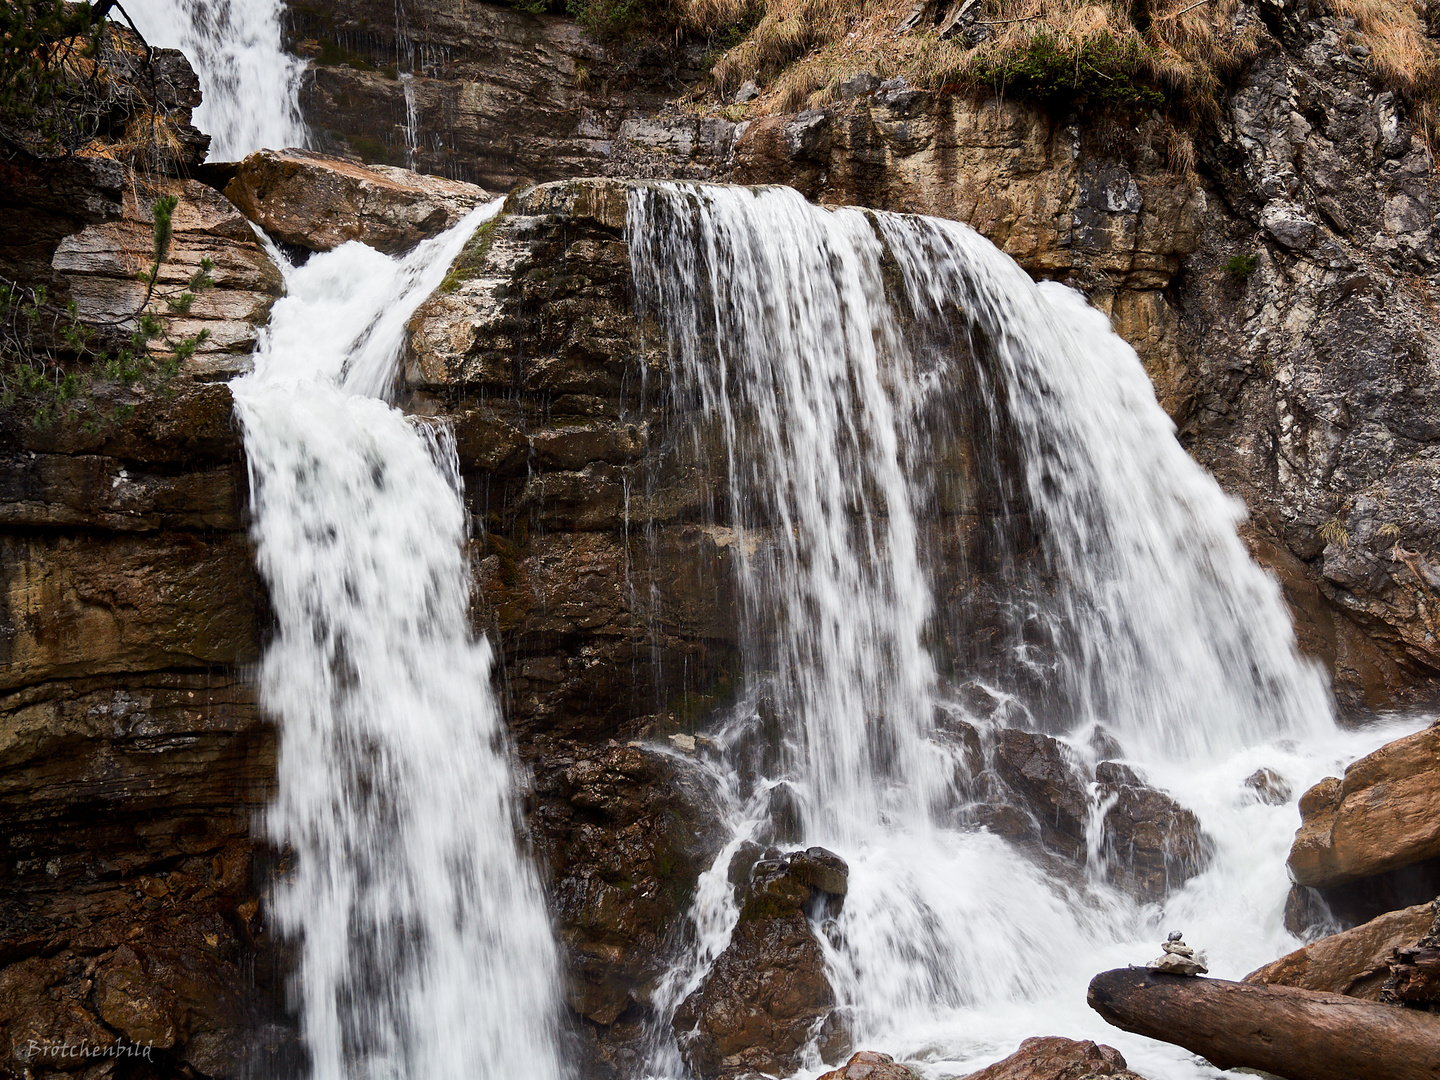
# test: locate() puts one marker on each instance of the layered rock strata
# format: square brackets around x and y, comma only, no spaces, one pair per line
[1278,293]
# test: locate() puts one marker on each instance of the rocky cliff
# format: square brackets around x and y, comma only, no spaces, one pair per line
[1281,295]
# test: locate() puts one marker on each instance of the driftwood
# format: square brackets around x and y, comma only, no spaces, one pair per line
[1296,1034]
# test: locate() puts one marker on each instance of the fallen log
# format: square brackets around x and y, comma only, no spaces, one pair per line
[1296,1034]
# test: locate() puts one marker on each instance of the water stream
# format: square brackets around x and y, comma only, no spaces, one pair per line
[250,84]
[839,357]
[958,503]
[424,944]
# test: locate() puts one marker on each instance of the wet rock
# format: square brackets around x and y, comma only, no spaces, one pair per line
[869,1065]
[1269,787]
[625,833]
[320,202]
[767,995]
[1152,844]
[1354,962]
[1036,768]
[1384,815]
[764,999]
[1054,1058]
[821,869]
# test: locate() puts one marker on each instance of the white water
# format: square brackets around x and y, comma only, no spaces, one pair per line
[250,84]
[425,949]
[831,387]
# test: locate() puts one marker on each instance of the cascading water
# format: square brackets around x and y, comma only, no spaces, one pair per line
[250,84]
[838,356]
[425,948]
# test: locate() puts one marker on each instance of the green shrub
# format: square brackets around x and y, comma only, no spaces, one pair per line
[1241,266]
[1103,69]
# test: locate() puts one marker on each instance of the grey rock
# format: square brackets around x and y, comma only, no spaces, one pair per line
[858,84]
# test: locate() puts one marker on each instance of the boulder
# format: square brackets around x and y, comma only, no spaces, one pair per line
[1152,843]
[869,1065]
[1036,769]
[1269,787]
[1053,1058]
[320,202]
[767,996]
[1354,962]
[1384,815]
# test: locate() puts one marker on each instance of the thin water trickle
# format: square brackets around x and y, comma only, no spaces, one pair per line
[956,499]
[424,946]
[250,84]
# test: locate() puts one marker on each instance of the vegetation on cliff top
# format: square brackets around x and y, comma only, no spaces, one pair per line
[1135,54]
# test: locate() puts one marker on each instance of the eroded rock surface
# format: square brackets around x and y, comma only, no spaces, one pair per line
[870,1065]
[319,202]
[1383,816]
[1054,1058]
[1354,962]
[767,996]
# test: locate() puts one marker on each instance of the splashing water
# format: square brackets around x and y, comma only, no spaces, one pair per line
[839,357]
[425,950]
[250,84]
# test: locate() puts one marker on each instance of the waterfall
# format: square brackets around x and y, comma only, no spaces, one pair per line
[250,84]
[424,945]
[955,498]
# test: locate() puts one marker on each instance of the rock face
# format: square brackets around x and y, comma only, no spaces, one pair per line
[497,96]
[1383,816]
[1355,962]
[100,265]
[624,833]
[529,348]
[1150,843]
[767,995]
[319,202]
[133,758]
[1278,294]
[1054,1058]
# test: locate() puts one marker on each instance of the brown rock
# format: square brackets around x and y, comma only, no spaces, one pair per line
[100,265]
[1053,1058]
[1384,815]
[1152,843]
[1269,787]
[868,1065]
[761,1003]
[1354,962]
[625,833]
[1034,766]
[84,604]
[320,202]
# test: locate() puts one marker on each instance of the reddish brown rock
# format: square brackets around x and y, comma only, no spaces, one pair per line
[1384,815]
[1053,1058]
[764,999]
[320,202]
[869,1065]
[1355,962]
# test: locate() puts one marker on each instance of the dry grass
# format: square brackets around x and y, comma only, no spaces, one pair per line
[1394,31]
[1180,51]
